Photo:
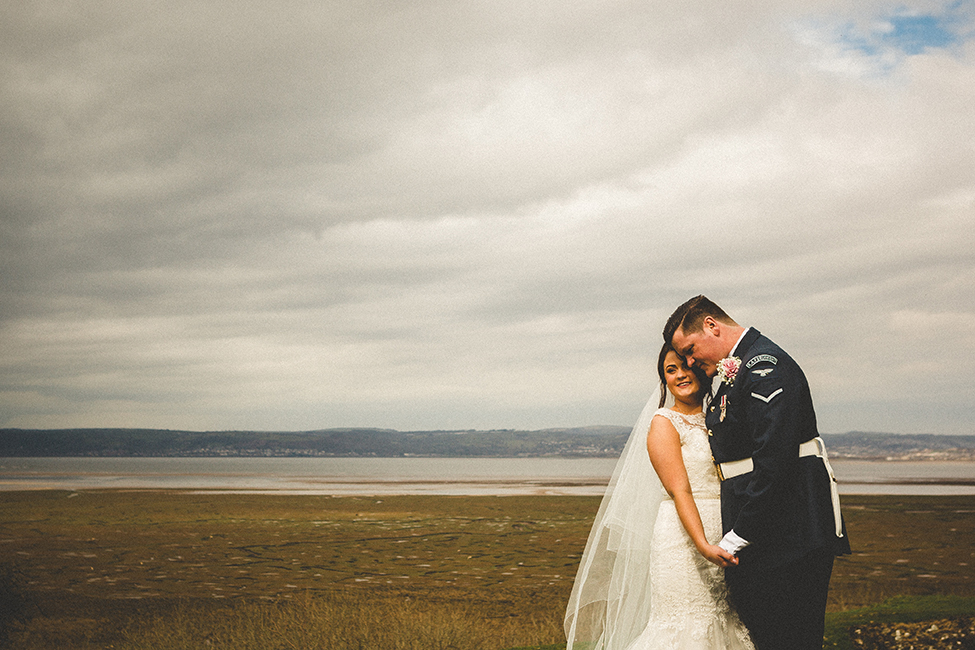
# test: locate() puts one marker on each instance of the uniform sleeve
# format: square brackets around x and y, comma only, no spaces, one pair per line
[774,390]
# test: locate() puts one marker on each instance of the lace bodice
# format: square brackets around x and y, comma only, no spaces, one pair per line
[696,452]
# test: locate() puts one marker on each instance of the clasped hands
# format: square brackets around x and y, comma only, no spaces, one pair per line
[717,555]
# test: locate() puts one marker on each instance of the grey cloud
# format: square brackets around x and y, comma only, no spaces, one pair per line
[464,214]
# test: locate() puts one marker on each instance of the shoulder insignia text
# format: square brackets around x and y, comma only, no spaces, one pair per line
[760,358]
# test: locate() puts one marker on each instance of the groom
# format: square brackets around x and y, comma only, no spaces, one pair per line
[779,507]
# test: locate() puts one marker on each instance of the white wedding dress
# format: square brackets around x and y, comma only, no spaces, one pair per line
[689,609]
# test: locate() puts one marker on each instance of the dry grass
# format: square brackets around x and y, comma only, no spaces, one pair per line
[333,622]
[143,570]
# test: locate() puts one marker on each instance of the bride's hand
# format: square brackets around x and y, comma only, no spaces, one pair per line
[717,555]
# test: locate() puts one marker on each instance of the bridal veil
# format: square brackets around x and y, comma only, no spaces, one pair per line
[610,601]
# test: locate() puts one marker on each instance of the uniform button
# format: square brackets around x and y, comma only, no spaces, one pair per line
[709,432]
[712,409]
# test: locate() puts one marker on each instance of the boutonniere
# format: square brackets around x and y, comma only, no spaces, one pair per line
[728,370]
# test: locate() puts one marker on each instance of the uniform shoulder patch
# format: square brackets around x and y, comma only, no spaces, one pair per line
[760,358]
[762,372]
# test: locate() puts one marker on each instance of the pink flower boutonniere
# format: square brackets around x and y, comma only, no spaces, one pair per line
[728,370]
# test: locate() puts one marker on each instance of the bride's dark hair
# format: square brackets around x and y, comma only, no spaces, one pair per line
[702,379]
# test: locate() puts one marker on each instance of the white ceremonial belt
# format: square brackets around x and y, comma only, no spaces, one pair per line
[814,447]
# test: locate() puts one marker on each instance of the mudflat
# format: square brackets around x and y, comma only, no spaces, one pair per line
[86,563]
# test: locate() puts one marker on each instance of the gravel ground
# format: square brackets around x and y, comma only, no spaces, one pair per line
[942,634]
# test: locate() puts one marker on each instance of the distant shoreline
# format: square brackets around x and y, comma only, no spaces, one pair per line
[419,476]
[581,442]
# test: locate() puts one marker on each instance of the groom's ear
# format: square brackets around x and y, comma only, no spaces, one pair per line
[711,326]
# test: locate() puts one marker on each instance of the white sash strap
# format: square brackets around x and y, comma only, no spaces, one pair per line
[814,447]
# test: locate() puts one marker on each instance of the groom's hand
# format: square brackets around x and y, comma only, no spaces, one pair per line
[717,555]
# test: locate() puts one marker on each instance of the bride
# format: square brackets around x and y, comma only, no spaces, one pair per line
[649,578]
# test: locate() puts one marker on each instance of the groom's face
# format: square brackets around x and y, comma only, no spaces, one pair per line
[701,348]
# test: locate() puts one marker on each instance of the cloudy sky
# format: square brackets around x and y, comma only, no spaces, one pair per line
[466,214]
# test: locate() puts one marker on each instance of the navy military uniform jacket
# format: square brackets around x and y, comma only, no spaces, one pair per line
[783,506]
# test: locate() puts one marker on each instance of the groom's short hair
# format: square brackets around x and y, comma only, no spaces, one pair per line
[690,316]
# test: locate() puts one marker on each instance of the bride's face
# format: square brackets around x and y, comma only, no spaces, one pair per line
[681,381]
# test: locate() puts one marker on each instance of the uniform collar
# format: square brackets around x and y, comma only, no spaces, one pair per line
[716,382]
[738,342]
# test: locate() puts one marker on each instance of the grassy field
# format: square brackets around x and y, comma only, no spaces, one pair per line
[164,569]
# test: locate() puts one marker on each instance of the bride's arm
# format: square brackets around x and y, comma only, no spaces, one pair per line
[663,445]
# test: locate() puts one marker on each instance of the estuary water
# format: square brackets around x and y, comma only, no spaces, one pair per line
[441,476]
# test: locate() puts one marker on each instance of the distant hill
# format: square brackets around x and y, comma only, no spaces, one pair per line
[595,442]
[873,446]
[598,441]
